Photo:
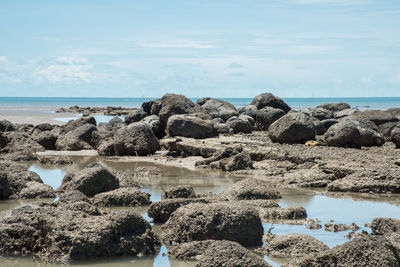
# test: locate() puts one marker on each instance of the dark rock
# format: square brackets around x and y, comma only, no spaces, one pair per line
[238,162]
[352,133]
[345,113]
[294,127]
[219,109]
[293,213]
[218,221]
[106,148]
[361,251]
[37,190]
[91,180]
[249,110]
[152,107]
[22,145]
[190,126]
[135,116]
[229,254]
[179,192]
[5,189]
[74,124]
[250,188]
[137,139]
[386,129]
[318,126]
[6,126]
[376,116]
[334,107]
[328,123]
[266,116]
[112,125]
[173,104]
[161,211]
[3,141]
[269,100]
[77,139]
[395,136]
[384,226]
[44,127]
[62,233]
[239,125]
[319,113]
[122,197]
[73,196]
[155,125]
[57,160]
[293,245]
[46,139]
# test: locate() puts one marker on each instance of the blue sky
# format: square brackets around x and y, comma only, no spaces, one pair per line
[224,48]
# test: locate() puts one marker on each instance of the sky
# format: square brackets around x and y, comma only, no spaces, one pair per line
[217,48]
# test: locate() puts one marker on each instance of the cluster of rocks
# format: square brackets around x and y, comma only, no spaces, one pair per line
[86,111]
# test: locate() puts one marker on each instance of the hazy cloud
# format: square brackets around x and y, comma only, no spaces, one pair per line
[235,65]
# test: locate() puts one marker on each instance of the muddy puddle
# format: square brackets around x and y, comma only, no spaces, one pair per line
[341,208]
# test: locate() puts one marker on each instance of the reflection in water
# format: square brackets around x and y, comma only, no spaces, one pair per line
[345,209]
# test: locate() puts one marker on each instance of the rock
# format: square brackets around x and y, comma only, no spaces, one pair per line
[161,211]
[112,125]
[345,112]
[266,116]
[122,197]
[218,221]
[152,107]
[5,189]
[384,226]
[92,180]
[37,190]
[61,233]
[229,254]
[248,118]
[394,111]
[173,104]
[77,139]
[137,139]
[269,100]
[44,127]
[239,125]
[386,129]
[395,136]
[328,123]
[73,196]
[293,213]
[294,127]
[6,126]
[340,227]
[46,139]
[3,141]
[334,107]
[352,133]
[218,108]
[376,116]
[361,251]
[319,113]
[22,146]
[250,188]
[190,126]
[106,148]
[318,126]
[135,116]
[234,163]
[249,110]
[179,192]
[155,125]
[293,245]
[74,124]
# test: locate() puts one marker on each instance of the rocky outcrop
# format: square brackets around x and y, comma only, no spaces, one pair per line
[65,232]
[266,116]
[122,197]
[190,126]
[218,221]
[318,113]
[376,116]
[218,108]
[293,245]
[172,104]
[37,190]
[334,107]
[250,188]
[269,100]
[293,213]
[135,116]
[361,251]
[345,112]
[178,192]
[92,180]
[137,139]
[76,139]
[353,133]
[294,127]
[395,136]
[6,126]
[239,125]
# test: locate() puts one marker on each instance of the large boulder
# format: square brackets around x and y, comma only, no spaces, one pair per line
[76,139]
[384,226]
[65,232]
[92,180]
[155,125]
[319,113]
[361,251]
[37,190]
[353,133]
[173,104]
[218,108]
[135,116]
[178,192]
[74,124]
[46,139]
[294,127]
[122,197]
[218,221]
[293,245]
[345,113]
[6,126]
[376,116]
[239,125]
[5,189]
[137,139]
[269,100]
[334,107]
[152,107]
[22,146]
[266,116]
[395,136]
[249,110]
[250,188]
[190,126]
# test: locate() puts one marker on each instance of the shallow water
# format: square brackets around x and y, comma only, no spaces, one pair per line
[345,209]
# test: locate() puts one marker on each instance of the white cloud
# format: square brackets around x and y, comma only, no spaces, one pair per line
[333,2]
[3,59]
[66,69]
[235,65]
[179,44]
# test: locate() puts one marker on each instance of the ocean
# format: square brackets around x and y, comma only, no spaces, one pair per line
[296,103]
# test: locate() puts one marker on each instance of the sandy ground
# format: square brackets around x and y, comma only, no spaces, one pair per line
[33,115]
